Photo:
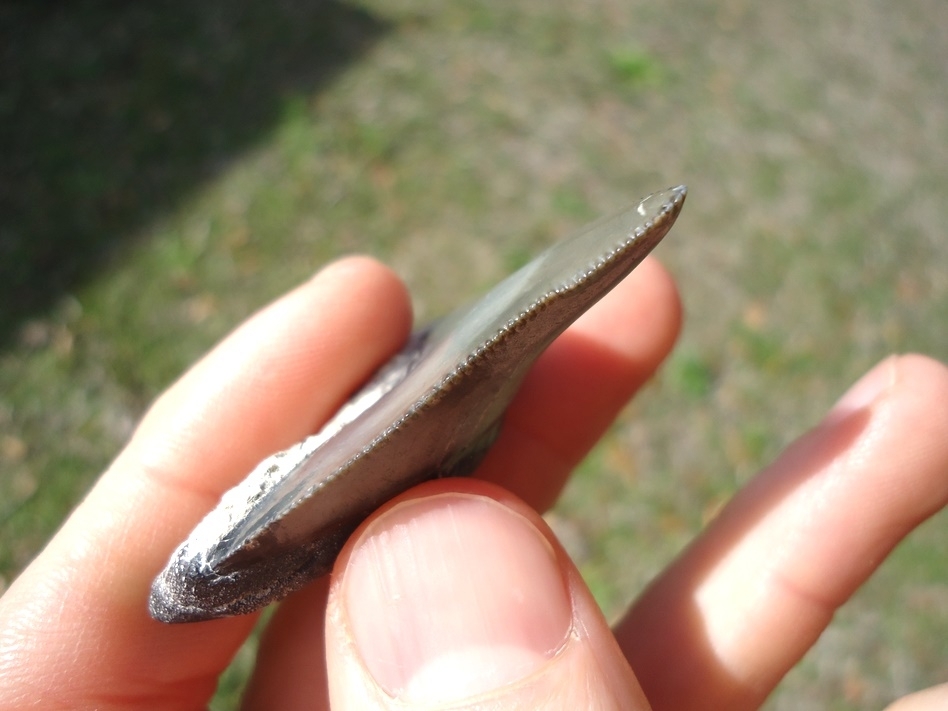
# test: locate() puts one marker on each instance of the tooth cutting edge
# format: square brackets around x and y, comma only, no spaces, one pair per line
[432,410]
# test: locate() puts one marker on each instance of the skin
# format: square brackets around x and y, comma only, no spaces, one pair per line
[717,630]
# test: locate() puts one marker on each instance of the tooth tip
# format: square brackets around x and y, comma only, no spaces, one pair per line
[176,593]
[167,602]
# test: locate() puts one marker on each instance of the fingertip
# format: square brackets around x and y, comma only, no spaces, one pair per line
[924,377]
[457,593]
[450,595]
[665,294]
[912,419]
[931,699]
[370,303]
[639,320]
[576,388]
[360,271]
[346,320]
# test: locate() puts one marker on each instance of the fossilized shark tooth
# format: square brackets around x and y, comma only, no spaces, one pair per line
[432,410]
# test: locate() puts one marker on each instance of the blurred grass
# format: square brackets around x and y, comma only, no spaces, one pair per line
[166,169]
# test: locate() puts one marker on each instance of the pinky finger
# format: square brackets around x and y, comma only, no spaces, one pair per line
[728,619]
[933,699]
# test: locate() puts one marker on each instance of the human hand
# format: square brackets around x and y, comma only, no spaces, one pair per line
[457,594]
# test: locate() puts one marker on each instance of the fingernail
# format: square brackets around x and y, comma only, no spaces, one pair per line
[868,388]
[453,596]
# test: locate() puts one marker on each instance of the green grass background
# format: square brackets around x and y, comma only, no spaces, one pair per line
[167,168]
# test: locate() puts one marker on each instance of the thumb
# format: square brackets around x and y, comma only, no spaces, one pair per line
[457,595]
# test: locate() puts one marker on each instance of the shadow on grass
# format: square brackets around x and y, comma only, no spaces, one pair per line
[111,112]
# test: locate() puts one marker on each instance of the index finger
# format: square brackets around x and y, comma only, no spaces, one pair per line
[74,628]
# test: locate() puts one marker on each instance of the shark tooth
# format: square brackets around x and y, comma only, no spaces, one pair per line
[433,410]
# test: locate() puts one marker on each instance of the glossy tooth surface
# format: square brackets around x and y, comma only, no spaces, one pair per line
[432,410]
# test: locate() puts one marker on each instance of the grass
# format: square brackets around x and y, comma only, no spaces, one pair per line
[166,170]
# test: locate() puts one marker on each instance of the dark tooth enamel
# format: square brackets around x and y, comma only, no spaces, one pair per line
[433,410]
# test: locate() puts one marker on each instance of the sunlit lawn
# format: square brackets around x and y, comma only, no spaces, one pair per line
[163,172]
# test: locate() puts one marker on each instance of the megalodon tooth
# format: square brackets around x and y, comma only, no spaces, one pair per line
[433,410]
